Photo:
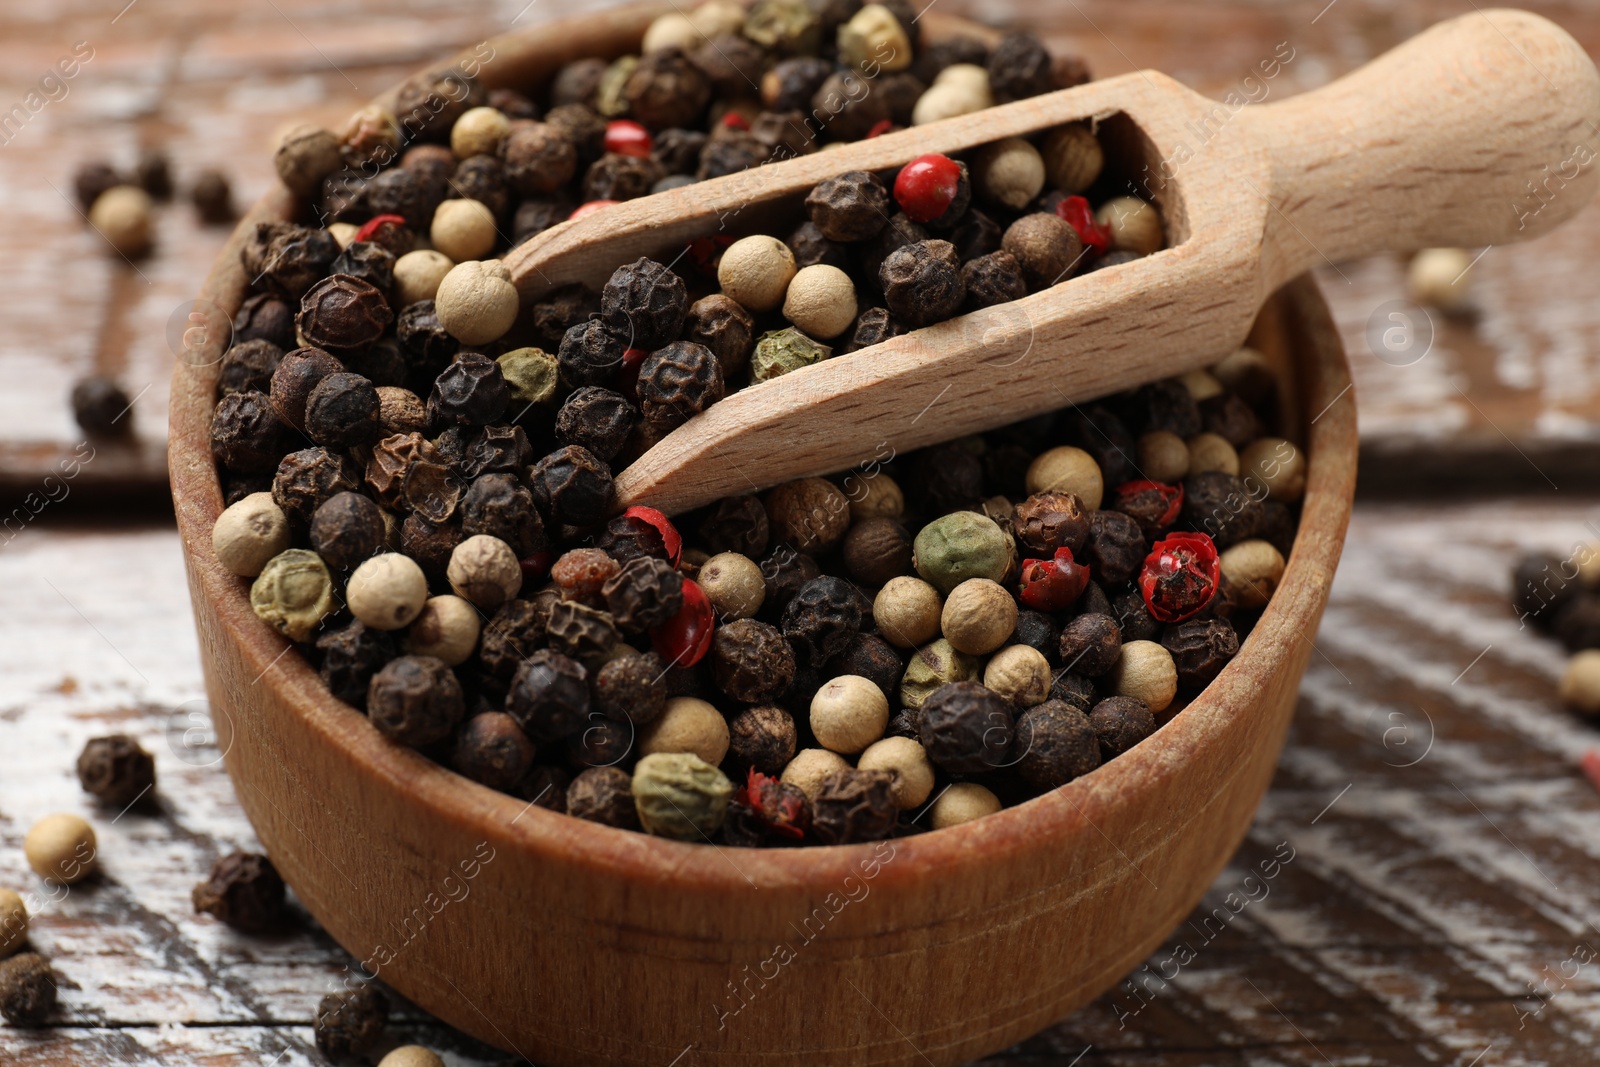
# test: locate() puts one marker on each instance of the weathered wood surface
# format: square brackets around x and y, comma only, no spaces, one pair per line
[1509,385]
[1434,896]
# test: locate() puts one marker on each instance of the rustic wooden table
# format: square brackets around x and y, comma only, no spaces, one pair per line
[1435,900]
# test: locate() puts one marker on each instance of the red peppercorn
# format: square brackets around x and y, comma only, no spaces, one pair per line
[1053,584]
[1077,213]
[879,128]
[1180,576]
[684,639]
[927,186]
[781,809]
[536,566]
[1591,766]
[628,139]
[735,121]
[376,223]
[628,374]
[670,538]
[590,208]
[706,252]
[1172,494]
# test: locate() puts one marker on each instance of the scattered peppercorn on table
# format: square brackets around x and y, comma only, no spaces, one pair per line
[1317,866]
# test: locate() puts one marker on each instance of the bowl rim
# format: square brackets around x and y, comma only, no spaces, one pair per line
[1055,817]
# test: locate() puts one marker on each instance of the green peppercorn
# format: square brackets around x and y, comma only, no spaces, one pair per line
[782,351]
[931,666]
[293,593]
[680,795]
[962,545]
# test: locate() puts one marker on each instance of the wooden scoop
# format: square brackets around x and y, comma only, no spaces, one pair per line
[1482,130]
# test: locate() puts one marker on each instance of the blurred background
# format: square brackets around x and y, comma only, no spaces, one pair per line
[1446,843]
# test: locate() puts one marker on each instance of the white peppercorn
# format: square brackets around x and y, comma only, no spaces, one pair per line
[1145,670]
[1067,470]
[978,616]
[1072,157]
[484,570]
[478,132]
[873,37]
[907,760]
[755,272]
[1211,452]
[387,591]
[61,849]
[463,229]
[1247,373]
[476,301]
[1021,674]
[849,713]
[688,724]
[411,1056]
[1009,173]
[293,593]
[672,30]
[1580,684]
[809,767]
[123,216]
[874,496]
[821,301]
[305,156]
[734,585]
[1278,465]
[1437,277]
[250,533]
[343,233]
[1253,570]
[446,629]
[1163,457]
[907,612]
[13,923]
[962,802]
[1135,225]
[417,275]
[959,89]
[1202,384]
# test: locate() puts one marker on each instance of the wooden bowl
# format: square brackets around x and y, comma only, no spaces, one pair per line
[573,943]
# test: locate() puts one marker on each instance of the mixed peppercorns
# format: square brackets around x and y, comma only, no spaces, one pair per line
[422,493]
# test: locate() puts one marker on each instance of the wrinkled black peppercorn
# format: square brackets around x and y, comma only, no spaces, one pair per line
[1200,649]
[244,890]
[852,206]
[539,157]
[27,989]
[426,345]
[343,314]
[264,317]
[310,478]
[1133,618]
[763,737]
[297,374]
[346,529]
[100,407]
[1090,644]
[751,661]
[586,634]
[874,659]
[724,327]
[677,382]
[1038,631]
[430,544]
[1057,743]
[343,411]
[598,419]
[572,486]
[471,391]
[736,524]
[514,633]
[644,304]
[415,700]
[602,743]
[603,795]
[966,728]
[351,655]
[922,282]
[629,688]
[350,1023]
[492,749]
[1120,723]
[872,327]
[368,261]
[589,354]
[116,769]
[1115,548]
[1020,67]
[644,594]
[290,259]
[1220,505]
[993,279]
[1074,690]
[619,177]
[549,696]
[248,367]
[853,805]
[822,617]
[1166,405]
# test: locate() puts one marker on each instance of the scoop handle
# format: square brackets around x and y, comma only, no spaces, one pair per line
[1483,130]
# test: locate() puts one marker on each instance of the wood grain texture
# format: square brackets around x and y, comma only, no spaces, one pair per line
[1428,904]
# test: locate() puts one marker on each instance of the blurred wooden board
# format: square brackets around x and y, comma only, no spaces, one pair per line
[1417,881]
[1512,392]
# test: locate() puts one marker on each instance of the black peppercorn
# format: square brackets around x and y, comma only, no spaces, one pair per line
[1048,521]
[310,478]
[644,304]
[678,382]
[27,989]
[602,743]
[922,282]
[100,407]
[116,769]
[92,179]
[732,61]
[351,1023]
[966,728]
[572,486]
[620,177]
[539,157]
[762,737]
[1020,67]
[1228,416]
[346,529]
[427,105]
[1107,438]
[1165,405]
[810,248]
[667,90]
[852,206]
[497,450]
[993,279]
[1039,632]
[900,92]
[976,235]
[297,374]
[549,696]
[785,572]
[415,700]
[577,82]
[678,150]
[852,806]
[597,419]
[946,478]
[246,436]
[482,178]
[628,537]
[586,634]
[426,345]
[351,655]
[501,506]
[381,364]
[514,633]
[1577,624]
[343,411]
[644,594]
[1133,618]
[1539,590]
[603,795]
[872,327]
[629,688]
[1120,723]
[1278,527]
[847,105]
[368,261]
[471,391]
[876,550]
[1200,649]
[247,367]
[491,748]
[536,215]
[736,524]
[722,325]
[872,658]
[751,661]
[729,154]
[244,890]
[1220,505]
[430,544]
[1074,689]
[791,83]
[583,127]
[589,354]
[343,314]
[1057,744]
[823,616]
[546,786]
[1115,548]
[1090,645]
[291,260]
[264,317]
